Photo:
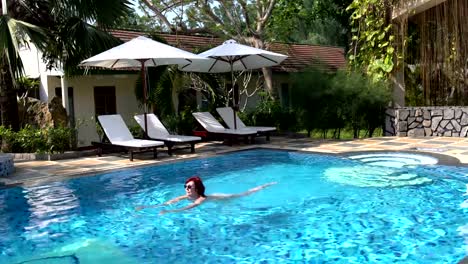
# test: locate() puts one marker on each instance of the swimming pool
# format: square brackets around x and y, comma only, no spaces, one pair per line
[309,216]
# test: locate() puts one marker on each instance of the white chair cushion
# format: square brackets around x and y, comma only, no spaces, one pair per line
[227,114]
[118,134]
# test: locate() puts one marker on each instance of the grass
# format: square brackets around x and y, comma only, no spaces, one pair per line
[344,134]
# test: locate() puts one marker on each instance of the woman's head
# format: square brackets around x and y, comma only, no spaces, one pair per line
[194,185]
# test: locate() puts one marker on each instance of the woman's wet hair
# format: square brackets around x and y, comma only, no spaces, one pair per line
[198,184]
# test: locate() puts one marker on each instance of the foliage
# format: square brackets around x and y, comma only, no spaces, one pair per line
[136,131]
[312,99]
[59,139]
[34,140]
[245,21]
[141,23]
[322,22]
[373,41]
[182,124]
[26,85]
[413,88]
[327,101]
[61,29]
[269,112]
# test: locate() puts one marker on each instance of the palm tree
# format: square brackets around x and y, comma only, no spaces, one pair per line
[66,31]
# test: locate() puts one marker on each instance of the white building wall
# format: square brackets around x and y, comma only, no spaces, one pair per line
[83,96]
[34,67]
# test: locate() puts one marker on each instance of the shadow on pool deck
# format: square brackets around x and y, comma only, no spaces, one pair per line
[450,151]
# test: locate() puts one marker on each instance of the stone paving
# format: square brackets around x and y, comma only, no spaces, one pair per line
[449,150]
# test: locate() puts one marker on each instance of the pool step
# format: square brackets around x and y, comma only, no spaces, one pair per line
[374,176]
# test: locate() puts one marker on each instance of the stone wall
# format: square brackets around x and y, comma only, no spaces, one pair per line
[427,121]
[7,165]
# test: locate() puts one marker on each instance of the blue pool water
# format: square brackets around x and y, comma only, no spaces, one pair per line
[315,214]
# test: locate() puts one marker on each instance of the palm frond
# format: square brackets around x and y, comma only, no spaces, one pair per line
[104,13]
[13,35]
[78,40]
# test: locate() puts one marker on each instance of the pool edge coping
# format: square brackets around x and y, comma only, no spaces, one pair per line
[442,159]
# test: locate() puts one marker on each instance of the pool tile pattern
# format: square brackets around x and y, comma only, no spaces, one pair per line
[33,172]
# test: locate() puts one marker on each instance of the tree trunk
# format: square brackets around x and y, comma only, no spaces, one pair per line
[267,75]
[8,100]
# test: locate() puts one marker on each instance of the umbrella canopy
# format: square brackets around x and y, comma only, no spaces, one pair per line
[240,57]
[142,52]
[232,56]
[131,53]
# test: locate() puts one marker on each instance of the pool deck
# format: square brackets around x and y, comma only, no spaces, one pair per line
[450,151]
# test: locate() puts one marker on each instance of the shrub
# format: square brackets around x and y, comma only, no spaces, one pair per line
[269,112]
[59,139]
[183,123]
[34,140]
[334,101]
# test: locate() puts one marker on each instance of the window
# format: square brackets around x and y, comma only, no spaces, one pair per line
[285,95]
[104,100]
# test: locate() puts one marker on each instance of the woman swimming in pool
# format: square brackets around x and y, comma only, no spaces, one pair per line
[195,191]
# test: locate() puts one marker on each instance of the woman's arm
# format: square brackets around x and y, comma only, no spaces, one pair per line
[194,204]
[175,200]
[250,191]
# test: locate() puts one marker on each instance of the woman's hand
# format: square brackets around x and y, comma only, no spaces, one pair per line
[258,188]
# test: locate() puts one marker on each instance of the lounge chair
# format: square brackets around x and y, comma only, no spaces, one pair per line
[227,114]
[156,130]
[210,124]
[118,134]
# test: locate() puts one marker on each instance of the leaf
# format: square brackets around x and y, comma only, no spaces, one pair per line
[390,50]
[381,36]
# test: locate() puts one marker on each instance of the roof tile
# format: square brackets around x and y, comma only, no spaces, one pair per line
[300,56]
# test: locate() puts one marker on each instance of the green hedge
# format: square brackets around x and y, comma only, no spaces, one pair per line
[34,140]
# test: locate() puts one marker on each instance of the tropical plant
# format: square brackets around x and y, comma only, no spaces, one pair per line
[66,31]
[327,101]
[245,21]
[373,40]
[312,100]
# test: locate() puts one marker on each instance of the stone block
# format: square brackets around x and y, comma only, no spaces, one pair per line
[403,115]
[463,131]
[427,114]
[417,132]
[449,126]
[449,114]
[464,119]
[402,126]
[443,123]
[411,119]
[447,133]
[458,113]
[436,112]
[427,132]
[413,125]
[456,125]
[418,112]
[419,119]
[426,123]
[455,134]
[402,134]
[435,122]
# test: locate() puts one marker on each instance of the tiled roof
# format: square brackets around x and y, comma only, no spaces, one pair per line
[300,56]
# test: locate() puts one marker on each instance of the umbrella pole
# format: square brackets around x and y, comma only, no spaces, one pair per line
[234,108]
[143,77]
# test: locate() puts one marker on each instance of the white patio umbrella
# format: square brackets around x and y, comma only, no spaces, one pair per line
[232,56]
[142,52]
